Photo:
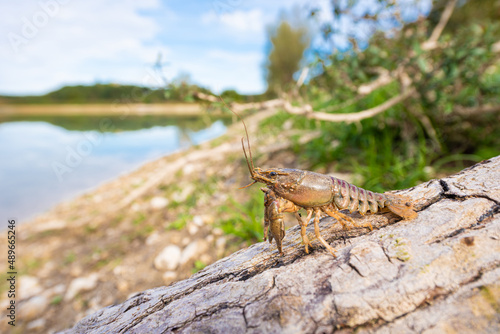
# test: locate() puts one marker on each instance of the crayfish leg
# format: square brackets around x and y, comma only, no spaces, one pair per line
[303,226]
[342,219]
[318,234]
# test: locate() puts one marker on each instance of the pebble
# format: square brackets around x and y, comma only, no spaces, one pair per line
[122,286]
[33,307]
[198,221]
[192,229]
[220,246]
[81,284]
[205,258]
[47,270]
[50,225]
[217,232]
[54,291]
[29,286]
[185,241]
[169,276]
[193,250]
[188,169]
[153,238]
[158,202]
[168,259]
[36,324]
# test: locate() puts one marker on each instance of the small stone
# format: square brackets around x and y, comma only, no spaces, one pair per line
[217,232]
[81,284]
[205,258]
[153,238]
[122,286]
[192,229]
[168,259]
[135,207]
[54,291]
[210,238]
[169,276]
[188,169]
[220,246]
[37,324]
[50,225]
[75,270]
[118,270]
[198,221]
[208,219]
[193,250]
[33,307]
[158,202]
[29,286]
[47,270]
[287,125]
[185,241]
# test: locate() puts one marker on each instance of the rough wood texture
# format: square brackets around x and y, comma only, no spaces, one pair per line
[437,273]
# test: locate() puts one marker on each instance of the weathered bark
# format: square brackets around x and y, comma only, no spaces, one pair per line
[437,273]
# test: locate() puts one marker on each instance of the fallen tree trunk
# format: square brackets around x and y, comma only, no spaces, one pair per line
[438,272]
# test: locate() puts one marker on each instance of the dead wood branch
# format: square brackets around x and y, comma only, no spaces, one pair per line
[484,109]
[438,272]
[306,110]
[432,43]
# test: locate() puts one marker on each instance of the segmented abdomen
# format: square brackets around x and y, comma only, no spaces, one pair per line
[348,196]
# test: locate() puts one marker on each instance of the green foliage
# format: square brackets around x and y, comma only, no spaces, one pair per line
[244,220]
[180,222]
[140,217]
[69,258]
[428,132]
[180,91]
[198,265]
[288,46]
[56,300]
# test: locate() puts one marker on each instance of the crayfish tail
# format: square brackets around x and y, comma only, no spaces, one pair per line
[401,205]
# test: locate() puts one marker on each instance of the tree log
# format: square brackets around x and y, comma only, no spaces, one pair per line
[437,273]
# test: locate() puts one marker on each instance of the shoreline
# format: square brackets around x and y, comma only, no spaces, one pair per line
[167,109]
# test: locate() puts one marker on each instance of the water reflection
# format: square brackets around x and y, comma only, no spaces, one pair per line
[42,164]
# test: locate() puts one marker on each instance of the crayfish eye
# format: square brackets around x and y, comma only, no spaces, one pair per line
[272,173]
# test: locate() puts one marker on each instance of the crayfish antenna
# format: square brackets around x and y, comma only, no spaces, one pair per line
[250,164]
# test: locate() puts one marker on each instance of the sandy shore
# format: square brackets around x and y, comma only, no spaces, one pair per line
[173,109]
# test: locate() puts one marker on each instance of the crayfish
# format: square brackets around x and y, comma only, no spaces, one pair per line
[289,190]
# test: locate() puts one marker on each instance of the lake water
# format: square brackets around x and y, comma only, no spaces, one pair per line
[42,164]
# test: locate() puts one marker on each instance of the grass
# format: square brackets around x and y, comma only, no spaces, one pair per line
[69,258]
[244,220]
[198,265]
[139,218]
[180,222]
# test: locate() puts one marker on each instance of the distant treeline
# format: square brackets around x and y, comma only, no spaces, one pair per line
[113,93]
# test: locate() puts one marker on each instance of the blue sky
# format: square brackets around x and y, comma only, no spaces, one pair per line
[46,44]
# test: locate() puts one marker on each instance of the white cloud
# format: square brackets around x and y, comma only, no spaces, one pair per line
[243,21]
[221,69]
[78,41]
[82,42]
